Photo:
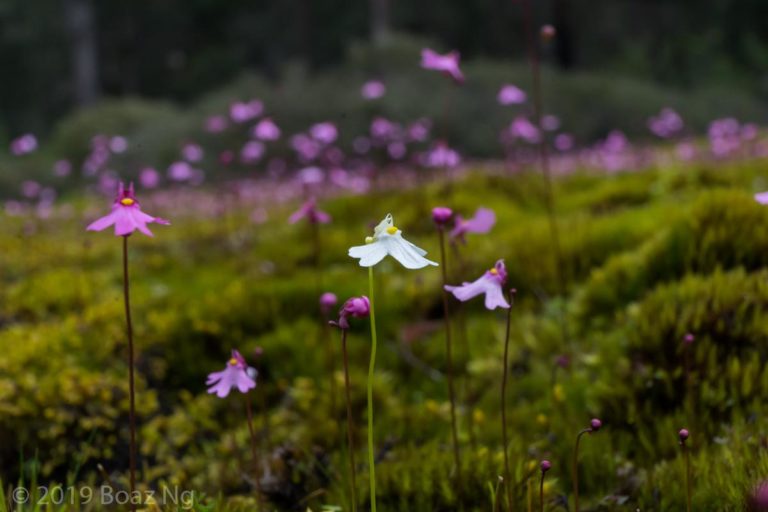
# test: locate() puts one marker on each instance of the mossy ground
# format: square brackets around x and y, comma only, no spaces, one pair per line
[649,256]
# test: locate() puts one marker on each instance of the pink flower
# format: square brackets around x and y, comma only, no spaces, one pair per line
[192,152]
[252,151]
[481,223]
[490,284]
[149,177]
[62,168]
[440,155]
[237,374]
[373,89]
[762,197]
[126,215]
[325,133]
[310,212]
[522,128]
[758,500]
[327,301]
[240,112]
[23,145]
[441,215]
[511,95]
[448,64]
[357,307]
[216,124]
[266,129]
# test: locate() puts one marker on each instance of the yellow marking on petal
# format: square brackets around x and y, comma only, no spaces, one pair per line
[392,230]
[369,239]
[494,271]
[233,361]
[127,201]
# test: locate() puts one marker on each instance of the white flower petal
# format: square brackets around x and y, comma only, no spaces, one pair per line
[369,254]
[405,252]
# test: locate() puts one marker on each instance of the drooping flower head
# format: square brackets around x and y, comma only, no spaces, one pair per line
[448,64]
[237,374]
[387,239]
[481,222]
[595,424]
[126,215]
[356,307]
[490,284]
[309,211]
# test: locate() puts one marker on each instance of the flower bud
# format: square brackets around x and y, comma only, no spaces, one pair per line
[683,435]
[545,466]
[595,424]
[548,32]
[441,215]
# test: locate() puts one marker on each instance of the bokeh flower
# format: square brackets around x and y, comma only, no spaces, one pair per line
[511,95]
[448,64]
[373,89]
[482,222]
[126,215]
[490,284]
[387,239]
[310,211]
[237,374]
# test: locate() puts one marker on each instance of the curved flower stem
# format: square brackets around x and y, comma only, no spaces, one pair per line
[576,469]
[449,364]
[687,478]
[505,442]
[371,367]
[131,386]
[541,492]
[535,63]
[254,453]
[353,473]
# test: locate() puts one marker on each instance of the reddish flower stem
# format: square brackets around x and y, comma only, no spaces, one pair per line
[576,469]
[449,363]
[254,453]
[350,443]
[131,386]
[505,374]
[687,478]
[541,492]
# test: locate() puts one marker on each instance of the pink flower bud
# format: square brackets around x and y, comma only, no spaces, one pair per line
[683,435]
[595,424]
[441,215]
[545,466]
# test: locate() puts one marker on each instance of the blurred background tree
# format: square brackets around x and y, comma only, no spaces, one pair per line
[56,54]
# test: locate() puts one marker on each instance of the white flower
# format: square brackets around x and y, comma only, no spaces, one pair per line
[388,239]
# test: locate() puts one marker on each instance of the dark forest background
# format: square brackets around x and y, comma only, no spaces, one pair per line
[58,54]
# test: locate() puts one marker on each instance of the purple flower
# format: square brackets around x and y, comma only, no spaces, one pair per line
[357,307]
[481,222]
[683,434]
[126,215]
[762,197]
[240,112]
[62,168]
[266,129]
[23,145]
[758,501]
[216,124]
[490,284]
[595,425]
[252,151]
[373,89]
[149,177]
[522,128]
[689,338]
[511,95]
[237,374]
[325,133]
[548,32]
[327,301]
[310,212]
[118,144]
[192,152]
[545,466]
[448,64]
[440,155]
[441,215]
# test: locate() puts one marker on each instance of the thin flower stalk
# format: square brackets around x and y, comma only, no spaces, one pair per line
[505,374]
[449,360]
[371,367]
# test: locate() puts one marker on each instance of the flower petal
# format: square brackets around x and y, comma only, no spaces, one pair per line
[369,254]
[405,252]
